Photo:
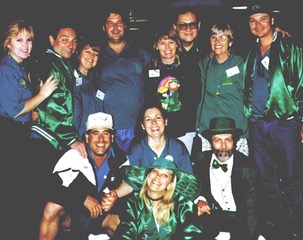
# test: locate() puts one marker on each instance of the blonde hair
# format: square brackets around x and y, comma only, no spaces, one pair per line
[166,33]
[166,204]
[13,30]
[223,28]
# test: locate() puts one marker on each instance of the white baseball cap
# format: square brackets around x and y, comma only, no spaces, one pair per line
[99,119]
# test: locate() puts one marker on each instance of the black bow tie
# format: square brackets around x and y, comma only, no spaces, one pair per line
[216,165]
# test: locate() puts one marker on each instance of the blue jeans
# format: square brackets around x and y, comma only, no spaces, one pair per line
[275,147]
[124,137]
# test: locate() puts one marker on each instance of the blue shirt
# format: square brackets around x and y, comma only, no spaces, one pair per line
[87,100]
[122,84]
[260,91]
[102,172]
[14,89]
[141,154]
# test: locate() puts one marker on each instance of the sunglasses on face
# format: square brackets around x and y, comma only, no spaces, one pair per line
[184,26]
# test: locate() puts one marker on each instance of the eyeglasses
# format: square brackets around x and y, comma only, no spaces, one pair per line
[184,26]
[221,38]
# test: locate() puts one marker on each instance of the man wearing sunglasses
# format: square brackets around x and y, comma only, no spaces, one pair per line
[187,25]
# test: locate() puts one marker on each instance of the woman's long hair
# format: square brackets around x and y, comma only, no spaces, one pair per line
[166,204]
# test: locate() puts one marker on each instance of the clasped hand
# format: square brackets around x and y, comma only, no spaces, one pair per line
[108,200]
[203,207]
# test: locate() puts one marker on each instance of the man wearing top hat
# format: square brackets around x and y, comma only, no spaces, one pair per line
[78,184]
[273,98]
[228,198]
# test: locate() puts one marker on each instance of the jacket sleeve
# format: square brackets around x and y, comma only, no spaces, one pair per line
[128,227]
[186,223]
[56,112]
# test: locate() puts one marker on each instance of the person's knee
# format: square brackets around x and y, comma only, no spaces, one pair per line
[52,211]
[111,223]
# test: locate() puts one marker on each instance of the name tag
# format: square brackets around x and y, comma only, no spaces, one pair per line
[79,81]
[154,73]
[232,71]
[100,94]
[265,62]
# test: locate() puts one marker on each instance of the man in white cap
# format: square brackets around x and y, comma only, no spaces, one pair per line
[79,184]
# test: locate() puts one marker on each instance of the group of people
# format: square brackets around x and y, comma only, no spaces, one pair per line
[106,132]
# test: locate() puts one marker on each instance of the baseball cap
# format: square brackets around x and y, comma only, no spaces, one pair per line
[99,119]
[258,7]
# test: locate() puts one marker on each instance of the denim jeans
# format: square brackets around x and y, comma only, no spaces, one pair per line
[275,147]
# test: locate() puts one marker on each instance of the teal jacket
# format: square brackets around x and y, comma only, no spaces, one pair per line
[285,80]
[56,112]
[137,222]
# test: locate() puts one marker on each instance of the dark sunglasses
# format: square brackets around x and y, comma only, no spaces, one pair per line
[184,26]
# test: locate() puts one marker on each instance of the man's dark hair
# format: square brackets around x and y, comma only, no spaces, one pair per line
[61,22]
[184,9]
[115,6]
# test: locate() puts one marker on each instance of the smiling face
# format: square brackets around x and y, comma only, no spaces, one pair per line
[223,146]
[221,40]
[20,46]
[154,123]
[65,43]
[188,35]
[99,141]
[260,24]
[88,58]
[167,48]
[114,28]
[159,179]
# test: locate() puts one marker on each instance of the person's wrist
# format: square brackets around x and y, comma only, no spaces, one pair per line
[115,194]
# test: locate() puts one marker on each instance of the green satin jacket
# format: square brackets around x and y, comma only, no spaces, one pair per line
[285,79]
[56,112]
[137,222]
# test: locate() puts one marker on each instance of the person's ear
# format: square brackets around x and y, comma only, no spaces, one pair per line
[86,137]
[51,40]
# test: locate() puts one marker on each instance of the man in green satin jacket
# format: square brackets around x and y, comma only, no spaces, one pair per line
[273,98]
[53,132]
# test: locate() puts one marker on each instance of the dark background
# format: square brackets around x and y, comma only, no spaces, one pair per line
[86,13]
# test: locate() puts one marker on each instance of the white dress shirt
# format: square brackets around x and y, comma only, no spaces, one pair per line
[220,185]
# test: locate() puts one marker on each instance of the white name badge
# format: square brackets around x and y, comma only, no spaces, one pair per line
[232,71]
[100,94]
[79,81]
[154,73]
[265,62]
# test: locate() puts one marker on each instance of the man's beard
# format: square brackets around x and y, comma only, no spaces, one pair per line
[223,154]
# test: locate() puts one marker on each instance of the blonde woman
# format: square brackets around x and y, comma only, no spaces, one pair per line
[16,104]
[162,208]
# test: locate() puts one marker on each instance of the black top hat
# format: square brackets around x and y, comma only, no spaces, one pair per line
[221,125]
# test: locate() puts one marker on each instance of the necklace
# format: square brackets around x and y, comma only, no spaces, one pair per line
[153,199]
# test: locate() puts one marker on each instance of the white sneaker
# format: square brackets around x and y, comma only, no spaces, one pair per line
[98,237]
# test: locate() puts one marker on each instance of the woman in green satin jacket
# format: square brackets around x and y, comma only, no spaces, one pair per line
[162,208]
